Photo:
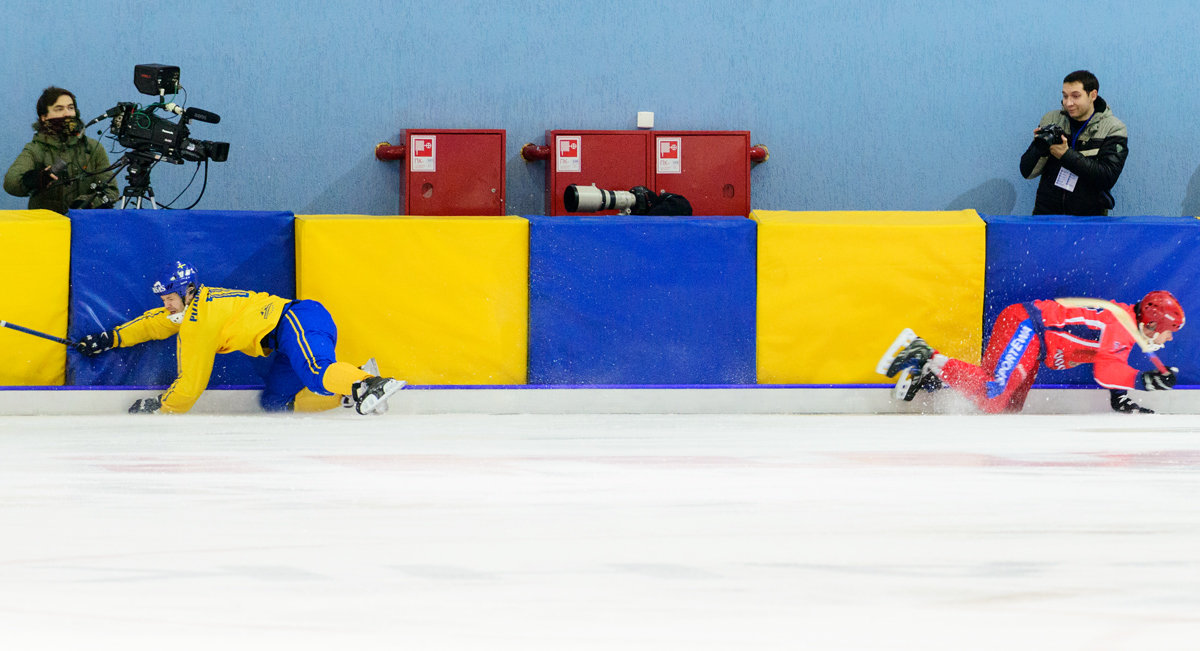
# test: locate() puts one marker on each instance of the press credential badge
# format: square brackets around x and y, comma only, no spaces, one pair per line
[1066,179]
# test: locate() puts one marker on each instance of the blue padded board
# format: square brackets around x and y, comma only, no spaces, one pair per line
[642,300]
[1116,258]
[115,256]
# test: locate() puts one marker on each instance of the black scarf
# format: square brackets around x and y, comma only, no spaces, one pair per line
[62,128]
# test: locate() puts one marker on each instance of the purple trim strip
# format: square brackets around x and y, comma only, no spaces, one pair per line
[235,387]
[436,387]
[520,387]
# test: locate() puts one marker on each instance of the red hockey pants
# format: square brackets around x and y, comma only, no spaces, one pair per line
[1010,365]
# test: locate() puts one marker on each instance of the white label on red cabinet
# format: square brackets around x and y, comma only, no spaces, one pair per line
[566,153]
[667,154]
[422,154]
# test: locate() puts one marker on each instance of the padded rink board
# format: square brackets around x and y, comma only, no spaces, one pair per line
[35,256]
[115,256]
[835,288]
[641,300]
[614,399]
[436,300]
[1114,258]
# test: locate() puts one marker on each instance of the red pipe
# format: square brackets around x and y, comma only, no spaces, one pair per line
[535,152]
[388,151]
[759,153]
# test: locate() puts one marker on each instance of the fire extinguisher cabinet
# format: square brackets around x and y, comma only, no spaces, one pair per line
[453,172]
[710,168]
[610,160]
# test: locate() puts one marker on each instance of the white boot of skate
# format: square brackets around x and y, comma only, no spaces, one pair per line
[902,341]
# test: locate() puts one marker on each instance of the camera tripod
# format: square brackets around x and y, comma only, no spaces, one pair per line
[137,176]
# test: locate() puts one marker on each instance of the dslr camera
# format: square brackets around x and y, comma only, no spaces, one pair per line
[1051,134]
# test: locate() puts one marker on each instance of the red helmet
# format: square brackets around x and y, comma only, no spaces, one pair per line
[1160,309]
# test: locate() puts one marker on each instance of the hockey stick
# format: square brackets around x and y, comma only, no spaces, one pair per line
[1124,320]
[36,333]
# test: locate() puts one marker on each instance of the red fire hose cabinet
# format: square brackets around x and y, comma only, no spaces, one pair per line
[453,172]
[710,168]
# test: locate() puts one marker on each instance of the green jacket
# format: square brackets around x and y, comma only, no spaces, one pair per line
[83,156]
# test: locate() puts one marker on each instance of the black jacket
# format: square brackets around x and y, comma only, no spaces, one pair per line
[1097,158]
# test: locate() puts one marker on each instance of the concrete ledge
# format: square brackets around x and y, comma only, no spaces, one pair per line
[766,399]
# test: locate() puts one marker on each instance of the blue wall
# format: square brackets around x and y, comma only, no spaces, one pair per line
[864,105]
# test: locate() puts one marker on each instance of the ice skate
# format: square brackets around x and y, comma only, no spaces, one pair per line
[913,356]
[907,359]
[372,367]
[909,382]
[902,341]
[909,351]
[371,394]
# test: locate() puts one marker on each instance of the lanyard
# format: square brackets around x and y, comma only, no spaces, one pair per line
[1075,136]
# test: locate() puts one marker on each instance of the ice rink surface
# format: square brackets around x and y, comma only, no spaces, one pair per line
[600,532]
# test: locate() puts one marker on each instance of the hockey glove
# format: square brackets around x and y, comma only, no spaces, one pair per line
[146,405]
[1159,381]
[93,345]
[1121,402]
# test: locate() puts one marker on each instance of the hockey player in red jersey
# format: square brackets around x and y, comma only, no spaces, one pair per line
[1049,332]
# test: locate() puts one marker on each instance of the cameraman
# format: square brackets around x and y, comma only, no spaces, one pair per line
[1080,164]
[58,168]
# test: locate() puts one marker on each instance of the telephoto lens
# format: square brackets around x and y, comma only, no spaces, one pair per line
[589,198]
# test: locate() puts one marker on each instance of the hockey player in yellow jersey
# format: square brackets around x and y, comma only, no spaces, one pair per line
[209,321]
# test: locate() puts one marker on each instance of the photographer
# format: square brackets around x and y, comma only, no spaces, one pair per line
[1078,151]
[58,168]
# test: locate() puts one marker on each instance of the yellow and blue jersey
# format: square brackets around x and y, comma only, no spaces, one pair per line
[217,321]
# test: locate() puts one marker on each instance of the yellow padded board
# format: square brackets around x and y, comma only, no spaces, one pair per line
[835,288]
[436,300]
[35,263]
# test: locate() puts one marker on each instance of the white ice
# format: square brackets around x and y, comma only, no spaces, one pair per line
[600,532]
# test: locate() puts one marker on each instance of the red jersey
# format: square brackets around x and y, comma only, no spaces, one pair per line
[1080,335]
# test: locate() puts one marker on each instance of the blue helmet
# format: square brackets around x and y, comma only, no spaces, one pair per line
[175,280]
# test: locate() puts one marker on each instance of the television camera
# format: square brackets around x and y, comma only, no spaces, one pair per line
[150,138]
